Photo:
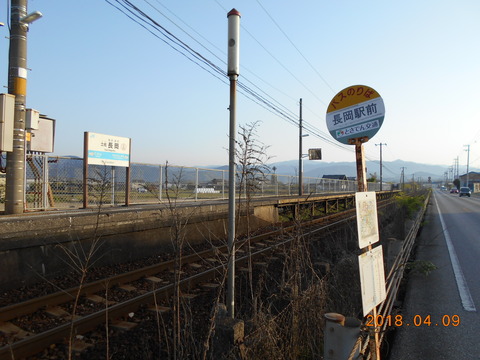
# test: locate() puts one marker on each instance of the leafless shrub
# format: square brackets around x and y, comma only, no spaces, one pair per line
[81,255]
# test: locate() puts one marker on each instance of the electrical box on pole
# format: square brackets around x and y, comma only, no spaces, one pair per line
[7,110]
[32,117]
[42,139]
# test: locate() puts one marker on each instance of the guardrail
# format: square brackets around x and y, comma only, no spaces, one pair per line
[55,182]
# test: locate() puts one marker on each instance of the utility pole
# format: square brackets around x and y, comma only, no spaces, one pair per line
[458,170]
[455,168]
[300,154]
[468,160]
[381,165]
[17,85]
[402,178]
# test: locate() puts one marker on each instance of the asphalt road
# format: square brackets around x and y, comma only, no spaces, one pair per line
[450,294]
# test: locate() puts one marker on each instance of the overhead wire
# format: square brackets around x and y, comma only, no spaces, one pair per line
[141,18]
[277,60]
[258,96]
[244,68]
[253,95]
[306,125]
[311,66]
[184,31]
[126,7]
[295,47]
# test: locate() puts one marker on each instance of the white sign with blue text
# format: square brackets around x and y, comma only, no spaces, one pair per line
[108,150]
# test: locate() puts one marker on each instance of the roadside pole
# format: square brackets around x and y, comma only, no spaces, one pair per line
[362,187]
[300,153]
[233,72]
[85,170]
[360,161]
[354,116]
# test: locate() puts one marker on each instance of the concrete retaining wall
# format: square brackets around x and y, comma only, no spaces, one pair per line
[34,246]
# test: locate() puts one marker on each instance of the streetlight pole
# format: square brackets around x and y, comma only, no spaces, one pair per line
[17,85]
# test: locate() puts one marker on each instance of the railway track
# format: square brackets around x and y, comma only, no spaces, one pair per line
[198,272]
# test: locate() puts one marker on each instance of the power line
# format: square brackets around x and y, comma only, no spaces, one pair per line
[296,48]
[260,97]
[278,61]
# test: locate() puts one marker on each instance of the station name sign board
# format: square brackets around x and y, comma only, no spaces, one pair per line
[108,150]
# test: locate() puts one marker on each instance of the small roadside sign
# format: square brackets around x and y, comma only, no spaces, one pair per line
[355,112]
[372,278]
[314,154]
[367,219]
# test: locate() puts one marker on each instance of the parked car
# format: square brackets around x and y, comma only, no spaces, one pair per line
[465,191]
[454,191]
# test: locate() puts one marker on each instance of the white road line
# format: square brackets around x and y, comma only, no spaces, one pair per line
[463,290]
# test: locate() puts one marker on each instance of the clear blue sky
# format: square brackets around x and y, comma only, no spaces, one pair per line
[94,69]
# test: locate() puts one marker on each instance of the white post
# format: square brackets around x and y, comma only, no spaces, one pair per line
[233,72]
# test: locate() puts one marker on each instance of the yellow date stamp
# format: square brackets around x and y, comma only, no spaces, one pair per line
[414,321]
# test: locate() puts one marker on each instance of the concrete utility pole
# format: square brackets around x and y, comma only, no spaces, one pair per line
[455,166]
[458,170]
[381,165]
[402,178]
[468,161]
[17,85]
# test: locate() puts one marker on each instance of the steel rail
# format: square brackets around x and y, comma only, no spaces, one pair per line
[36,343]
[29,306]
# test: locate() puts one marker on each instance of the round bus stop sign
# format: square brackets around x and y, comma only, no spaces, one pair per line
[355,112]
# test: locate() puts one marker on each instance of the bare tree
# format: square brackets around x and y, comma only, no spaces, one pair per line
[81,258]
[252,158]
[251,155]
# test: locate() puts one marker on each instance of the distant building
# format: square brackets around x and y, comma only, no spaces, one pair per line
[335,177]
[473,178]
[218,181]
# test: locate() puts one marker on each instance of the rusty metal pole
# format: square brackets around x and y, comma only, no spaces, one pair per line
[362,186]
[360,159]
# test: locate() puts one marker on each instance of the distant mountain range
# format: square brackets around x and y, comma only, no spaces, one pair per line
[391,169]
[71,169]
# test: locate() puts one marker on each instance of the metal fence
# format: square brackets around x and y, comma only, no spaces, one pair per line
[54,182]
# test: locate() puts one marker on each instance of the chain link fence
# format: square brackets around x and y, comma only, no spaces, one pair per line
[54,182]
